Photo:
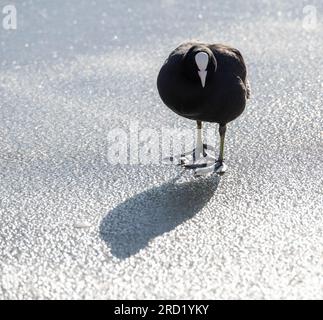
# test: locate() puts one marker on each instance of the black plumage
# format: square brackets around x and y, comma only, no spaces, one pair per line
[216,94]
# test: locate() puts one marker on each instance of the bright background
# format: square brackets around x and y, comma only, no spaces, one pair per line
[72,71]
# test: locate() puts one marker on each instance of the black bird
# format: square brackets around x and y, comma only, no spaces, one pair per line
[205,82]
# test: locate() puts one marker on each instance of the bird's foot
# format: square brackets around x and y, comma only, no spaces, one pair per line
[194,159]
[198,158]
[202,162]
[218,167]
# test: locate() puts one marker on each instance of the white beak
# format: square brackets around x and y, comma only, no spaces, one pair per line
[202,75]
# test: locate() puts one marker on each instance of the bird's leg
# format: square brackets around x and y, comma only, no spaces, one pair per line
[193,159]
[199,157]
[199,150]
[222,130]
[202,148]
[219,166]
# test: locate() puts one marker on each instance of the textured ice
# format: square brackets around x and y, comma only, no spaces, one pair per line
[72,71]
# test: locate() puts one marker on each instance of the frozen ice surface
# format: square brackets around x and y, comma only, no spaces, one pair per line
[72,71]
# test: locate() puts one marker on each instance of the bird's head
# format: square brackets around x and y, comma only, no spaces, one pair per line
[199,64]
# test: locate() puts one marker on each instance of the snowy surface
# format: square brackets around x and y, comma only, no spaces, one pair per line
[74,226]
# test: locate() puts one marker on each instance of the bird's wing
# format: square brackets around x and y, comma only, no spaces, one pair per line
[242,63]
[230,60]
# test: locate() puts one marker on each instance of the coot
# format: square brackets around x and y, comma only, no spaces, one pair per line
[206,83]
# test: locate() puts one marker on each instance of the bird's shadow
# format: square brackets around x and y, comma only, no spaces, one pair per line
[130,226]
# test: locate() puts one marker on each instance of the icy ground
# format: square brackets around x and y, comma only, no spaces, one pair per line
[73,226]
